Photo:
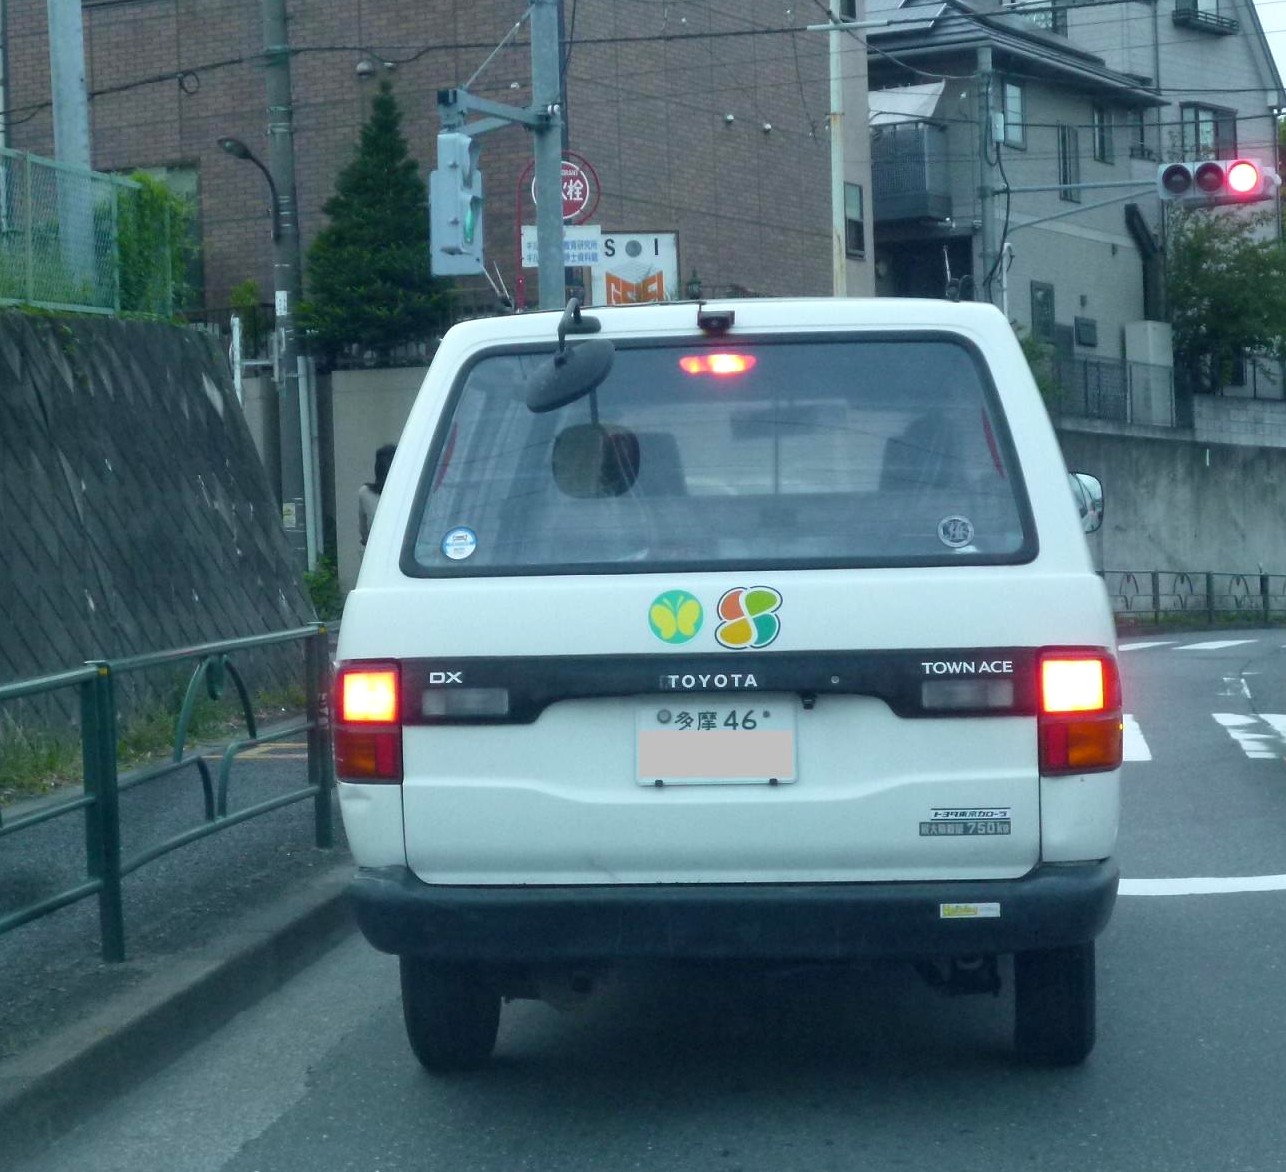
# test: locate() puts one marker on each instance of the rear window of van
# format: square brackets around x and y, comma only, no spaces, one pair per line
[738,454]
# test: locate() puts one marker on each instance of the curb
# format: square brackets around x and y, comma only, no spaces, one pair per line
[47,1089]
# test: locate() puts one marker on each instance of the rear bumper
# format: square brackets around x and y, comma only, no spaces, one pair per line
[1050,907]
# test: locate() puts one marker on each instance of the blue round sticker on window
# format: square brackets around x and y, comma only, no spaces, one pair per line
[459,543]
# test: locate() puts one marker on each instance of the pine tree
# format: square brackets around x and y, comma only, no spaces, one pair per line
[368,269]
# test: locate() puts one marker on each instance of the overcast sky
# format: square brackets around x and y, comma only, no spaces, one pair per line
[1272,14]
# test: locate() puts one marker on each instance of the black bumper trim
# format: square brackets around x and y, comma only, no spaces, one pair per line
[1052,906]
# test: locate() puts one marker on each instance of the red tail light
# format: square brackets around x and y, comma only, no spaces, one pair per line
[368,729]
[1080,713]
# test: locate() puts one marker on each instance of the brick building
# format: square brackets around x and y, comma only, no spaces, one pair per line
[708,119]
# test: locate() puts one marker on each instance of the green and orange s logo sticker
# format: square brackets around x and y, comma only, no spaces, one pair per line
[749,617]
[675,616]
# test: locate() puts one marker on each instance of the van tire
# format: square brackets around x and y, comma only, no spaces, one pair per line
[452,1015]
[1054,1004]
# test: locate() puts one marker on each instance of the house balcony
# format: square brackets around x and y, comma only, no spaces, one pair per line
[909,176]
[1204,16]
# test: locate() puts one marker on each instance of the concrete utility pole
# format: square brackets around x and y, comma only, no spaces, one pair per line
[839,253]
[546,97]
[67,74]
[986,186]
[71,142]
[287,278]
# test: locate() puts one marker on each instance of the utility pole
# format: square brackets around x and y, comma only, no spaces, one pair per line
[67,74]
[986,188]
[839,254]
[287,279]
[71,139]
[546,99]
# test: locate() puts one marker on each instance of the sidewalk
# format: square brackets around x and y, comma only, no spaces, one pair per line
[220,924]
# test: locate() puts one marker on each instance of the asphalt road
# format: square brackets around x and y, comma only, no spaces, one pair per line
[801,1071]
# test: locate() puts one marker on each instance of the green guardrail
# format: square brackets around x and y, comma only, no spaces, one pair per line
[1170,596]
[103,785]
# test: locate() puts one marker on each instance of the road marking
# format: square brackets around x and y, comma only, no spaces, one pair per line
[1135,747]
[1229,886]
[1140,646]
[1258,745]
[1214,645]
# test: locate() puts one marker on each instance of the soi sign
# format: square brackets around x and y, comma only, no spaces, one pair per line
[580,189]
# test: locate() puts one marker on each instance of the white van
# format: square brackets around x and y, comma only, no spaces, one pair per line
[758,631]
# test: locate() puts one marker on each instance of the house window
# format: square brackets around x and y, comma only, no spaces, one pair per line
[1015,115]
[1102,121]
[848,9]
[1042,312]
[1208,132]
[1069,162]
[854,221]
[1138,135]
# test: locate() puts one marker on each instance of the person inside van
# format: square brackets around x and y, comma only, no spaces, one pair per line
[368,496]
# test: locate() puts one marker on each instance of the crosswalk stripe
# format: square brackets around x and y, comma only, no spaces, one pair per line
[1141,646]
[1214,645]
[1134,746]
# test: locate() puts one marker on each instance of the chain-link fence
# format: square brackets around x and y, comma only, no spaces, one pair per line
[80,240]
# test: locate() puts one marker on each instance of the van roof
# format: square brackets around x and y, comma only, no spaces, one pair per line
[752,314]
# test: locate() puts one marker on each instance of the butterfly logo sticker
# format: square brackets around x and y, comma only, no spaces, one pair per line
[675,616]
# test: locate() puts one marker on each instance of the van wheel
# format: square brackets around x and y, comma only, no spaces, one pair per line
[451,1013]
[1054,1018]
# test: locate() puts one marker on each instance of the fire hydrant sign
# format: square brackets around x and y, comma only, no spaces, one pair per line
[637,267]
[582,245]
[580,189]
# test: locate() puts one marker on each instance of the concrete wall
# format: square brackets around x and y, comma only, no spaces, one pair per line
[1184,504]
[370,407]
[1220,420]
[135,514]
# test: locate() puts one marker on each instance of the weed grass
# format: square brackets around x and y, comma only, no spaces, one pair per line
[36,760]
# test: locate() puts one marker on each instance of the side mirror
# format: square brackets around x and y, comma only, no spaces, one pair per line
[1087,492]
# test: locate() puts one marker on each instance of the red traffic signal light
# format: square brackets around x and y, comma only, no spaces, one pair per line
[1215,181]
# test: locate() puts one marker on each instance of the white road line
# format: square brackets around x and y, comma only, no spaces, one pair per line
[1214,645]
[1203,886]
[1140,646]
[1136,748]
[1276,720]
[1261,746]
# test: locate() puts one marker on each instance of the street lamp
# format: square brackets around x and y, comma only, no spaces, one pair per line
[238,150]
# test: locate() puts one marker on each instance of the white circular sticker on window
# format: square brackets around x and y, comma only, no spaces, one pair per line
[459,543]
[956,532]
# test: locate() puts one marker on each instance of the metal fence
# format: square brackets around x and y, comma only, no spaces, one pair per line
[1159,596]
[74,239]
[102,785]
[1123,392]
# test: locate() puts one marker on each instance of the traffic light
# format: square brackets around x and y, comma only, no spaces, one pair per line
[1215,181]
[455,207]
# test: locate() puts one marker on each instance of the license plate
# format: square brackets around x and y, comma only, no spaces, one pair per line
[709,742]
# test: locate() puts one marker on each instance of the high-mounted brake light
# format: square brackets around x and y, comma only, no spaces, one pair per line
[367,731]
[1079,724]
[717,364]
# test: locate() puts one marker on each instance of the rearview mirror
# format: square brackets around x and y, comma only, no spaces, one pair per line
[569,375]
[595,460]
[1087,491]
